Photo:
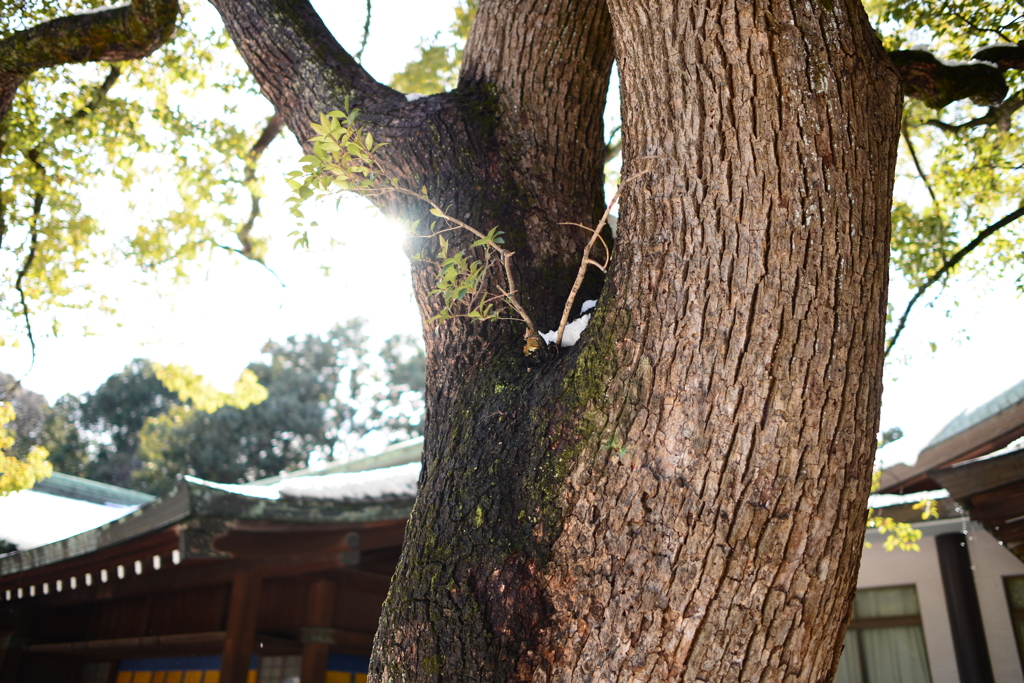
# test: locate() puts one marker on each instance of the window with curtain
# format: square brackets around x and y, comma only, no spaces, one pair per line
[1015,596]
[885,643]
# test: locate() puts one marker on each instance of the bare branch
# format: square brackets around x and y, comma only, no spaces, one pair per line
[612,149]
[259,261]
[917,164]
[37,207]
[366,32]
[271,131]
[110,35]
[999,117]
[949,265]
[585,260]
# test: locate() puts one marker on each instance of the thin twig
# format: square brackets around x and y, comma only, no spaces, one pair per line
[366,32]
[981,30]
[259,261]
[270,131]
[607,251]
[917,164]
[947,266]
[612,149]
[3,222]
[585,259]
[36,209]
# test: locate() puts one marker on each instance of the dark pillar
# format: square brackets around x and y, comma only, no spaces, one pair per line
[964,613]
[318,636]
[10,656]
[241,628]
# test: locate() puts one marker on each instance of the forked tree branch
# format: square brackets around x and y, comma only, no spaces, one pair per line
[107,35]
[585,260]
[949,265]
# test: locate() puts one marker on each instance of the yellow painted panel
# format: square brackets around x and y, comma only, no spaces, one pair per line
[360,678]
[159,676]
[173,677]
[212,676]
[143,677]
[253,676]
[124,677]
[193,677]
[338,677]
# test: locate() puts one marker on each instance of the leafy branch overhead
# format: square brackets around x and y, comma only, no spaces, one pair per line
[963,142]
[76,133]
[344,159]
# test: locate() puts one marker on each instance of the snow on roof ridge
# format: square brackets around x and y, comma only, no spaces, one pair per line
[385,483]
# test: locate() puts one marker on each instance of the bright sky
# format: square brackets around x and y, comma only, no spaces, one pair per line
[221,319]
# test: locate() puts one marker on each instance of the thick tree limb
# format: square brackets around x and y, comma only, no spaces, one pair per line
[109,35]
[947,266]
[938,83]
[1003,56]
[299,65]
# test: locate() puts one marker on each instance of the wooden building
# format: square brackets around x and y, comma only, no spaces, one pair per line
[954,611]
[279,581]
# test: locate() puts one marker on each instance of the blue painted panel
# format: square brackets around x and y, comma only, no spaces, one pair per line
[171,664]
[358,665]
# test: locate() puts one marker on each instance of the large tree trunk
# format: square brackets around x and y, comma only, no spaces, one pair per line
[682,495]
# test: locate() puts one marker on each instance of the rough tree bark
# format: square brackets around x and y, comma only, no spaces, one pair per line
[681,495]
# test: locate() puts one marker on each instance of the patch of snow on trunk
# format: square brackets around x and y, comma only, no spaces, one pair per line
[572,332]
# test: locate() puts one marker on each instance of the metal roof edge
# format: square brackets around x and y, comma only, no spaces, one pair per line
[216,500]
[78,488]
[400,453]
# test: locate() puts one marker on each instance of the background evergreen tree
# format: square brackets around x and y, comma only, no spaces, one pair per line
[335,395]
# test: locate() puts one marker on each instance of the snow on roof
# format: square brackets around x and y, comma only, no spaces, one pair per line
[383,484]
[386,483]
[30,518]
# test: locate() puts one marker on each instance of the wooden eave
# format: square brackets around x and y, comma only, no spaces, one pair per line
[991,491]
[980,439]
[197,525]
